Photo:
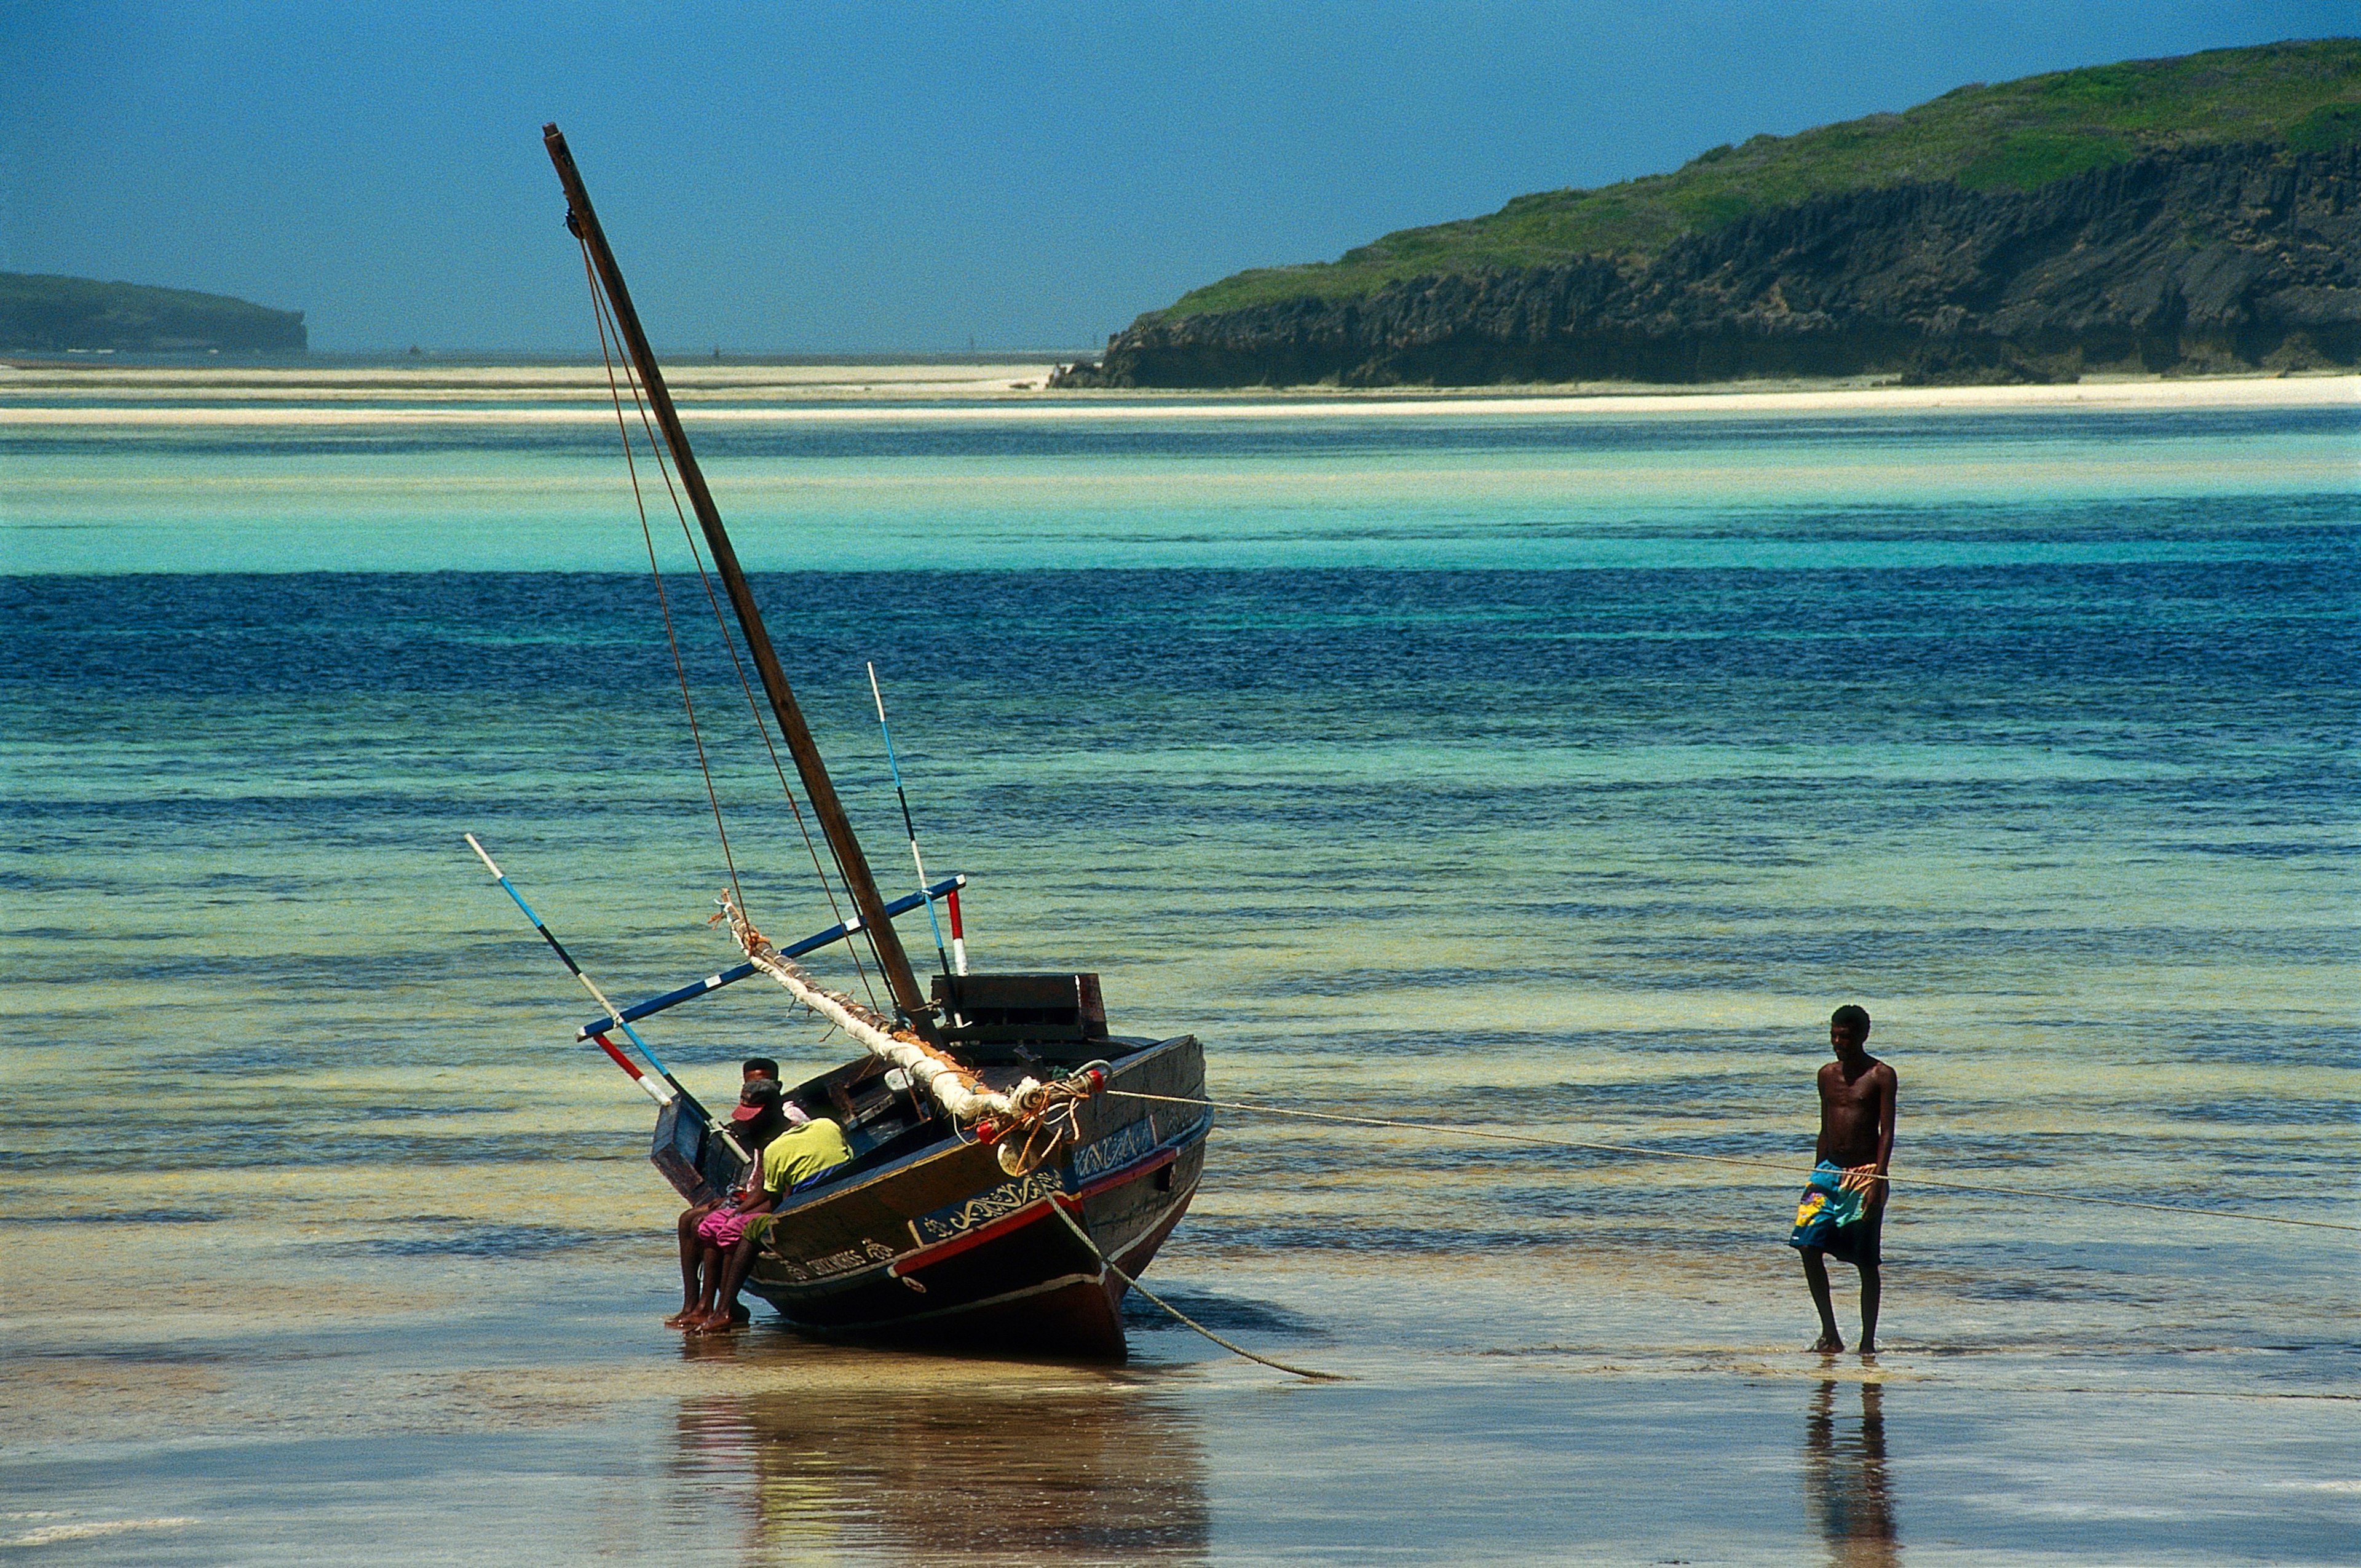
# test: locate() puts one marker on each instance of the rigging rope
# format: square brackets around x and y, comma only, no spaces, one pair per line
[1230,1346]
[1545,1141]
[762,728]
[730,643]
[599,309]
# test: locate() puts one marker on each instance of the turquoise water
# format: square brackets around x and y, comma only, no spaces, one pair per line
[1557,774]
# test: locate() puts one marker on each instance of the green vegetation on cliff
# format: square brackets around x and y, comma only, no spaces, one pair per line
[2018,136]
[41,313]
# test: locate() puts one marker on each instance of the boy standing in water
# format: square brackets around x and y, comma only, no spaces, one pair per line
[1857,1104]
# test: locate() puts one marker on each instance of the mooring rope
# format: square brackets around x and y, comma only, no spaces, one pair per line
[1230,1346]
[1545,1141]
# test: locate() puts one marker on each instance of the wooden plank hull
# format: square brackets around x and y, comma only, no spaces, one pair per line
[943,1249]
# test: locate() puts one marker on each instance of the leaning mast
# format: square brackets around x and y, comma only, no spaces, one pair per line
[908,1000]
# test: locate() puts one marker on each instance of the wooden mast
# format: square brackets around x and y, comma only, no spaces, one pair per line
[907,998]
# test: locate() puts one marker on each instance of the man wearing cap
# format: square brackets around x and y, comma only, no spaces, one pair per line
[757,1070]
[791,1157]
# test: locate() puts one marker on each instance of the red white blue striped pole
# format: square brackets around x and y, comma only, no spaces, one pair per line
[655,1091]
[658,1092]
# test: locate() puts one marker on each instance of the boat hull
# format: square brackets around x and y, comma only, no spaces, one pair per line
[943,1249]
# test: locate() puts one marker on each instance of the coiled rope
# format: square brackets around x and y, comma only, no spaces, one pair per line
[1044,1120]
[1546,1141]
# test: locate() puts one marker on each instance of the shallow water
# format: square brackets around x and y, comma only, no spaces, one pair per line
[1556,774]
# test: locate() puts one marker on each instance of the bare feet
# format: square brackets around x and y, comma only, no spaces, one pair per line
[680,1320]
[1827,1345]
[712,1323]
[1868,1347]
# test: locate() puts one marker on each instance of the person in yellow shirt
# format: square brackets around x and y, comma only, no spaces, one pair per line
[693,1242]
[789,1159]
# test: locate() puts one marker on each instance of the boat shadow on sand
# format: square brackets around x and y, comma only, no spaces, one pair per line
[889,1453]
[1223,1314]
[1262,1321]
[999,1466]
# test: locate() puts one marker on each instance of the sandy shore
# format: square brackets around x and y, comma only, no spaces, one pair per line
[39,397]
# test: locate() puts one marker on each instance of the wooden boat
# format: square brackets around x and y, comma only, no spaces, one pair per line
[1012,1161]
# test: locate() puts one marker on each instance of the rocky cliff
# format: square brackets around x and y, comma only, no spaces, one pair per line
[2212,257]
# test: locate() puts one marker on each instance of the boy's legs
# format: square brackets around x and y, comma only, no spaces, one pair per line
[731,1271]
[1815,1275]
[712,1264]
[1869,1252]
[690,1250]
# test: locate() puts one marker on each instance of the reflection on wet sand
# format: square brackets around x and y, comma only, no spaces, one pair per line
[1845,1482]
[985,1469]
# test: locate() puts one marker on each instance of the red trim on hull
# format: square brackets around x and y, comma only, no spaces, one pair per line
[1032,1213]
[925,1257]
[1075,1314]
[1017,1283]
[1129,1173]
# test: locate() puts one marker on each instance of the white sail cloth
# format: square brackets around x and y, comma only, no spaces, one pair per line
[961,1094]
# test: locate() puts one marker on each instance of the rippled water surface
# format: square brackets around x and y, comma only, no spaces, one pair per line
[1556,774]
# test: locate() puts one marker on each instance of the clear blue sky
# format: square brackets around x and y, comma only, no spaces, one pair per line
[848,176]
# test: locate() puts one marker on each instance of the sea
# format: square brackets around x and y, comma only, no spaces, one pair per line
[1480,766]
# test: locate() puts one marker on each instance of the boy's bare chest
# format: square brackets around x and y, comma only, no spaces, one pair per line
[1838,1093]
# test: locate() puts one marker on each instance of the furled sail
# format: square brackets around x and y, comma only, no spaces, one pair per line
[952,1086]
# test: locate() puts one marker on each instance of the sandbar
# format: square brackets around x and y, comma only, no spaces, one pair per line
[34,396]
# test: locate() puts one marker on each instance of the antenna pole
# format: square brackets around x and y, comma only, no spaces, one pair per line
[909,827]
[908,1000]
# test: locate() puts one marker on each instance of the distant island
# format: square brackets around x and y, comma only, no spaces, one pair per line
[2187,215]
[41,313]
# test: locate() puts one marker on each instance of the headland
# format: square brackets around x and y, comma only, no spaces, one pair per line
[41,313]
[2191,215]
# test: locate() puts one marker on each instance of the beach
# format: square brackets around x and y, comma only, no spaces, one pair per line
[52,393]
[1550,761]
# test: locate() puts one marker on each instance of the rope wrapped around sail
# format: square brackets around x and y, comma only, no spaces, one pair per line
[957,1089]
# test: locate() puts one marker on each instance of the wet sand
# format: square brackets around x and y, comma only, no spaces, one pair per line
[528,1400]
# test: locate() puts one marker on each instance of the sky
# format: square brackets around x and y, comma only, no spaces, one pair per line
[914,177]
